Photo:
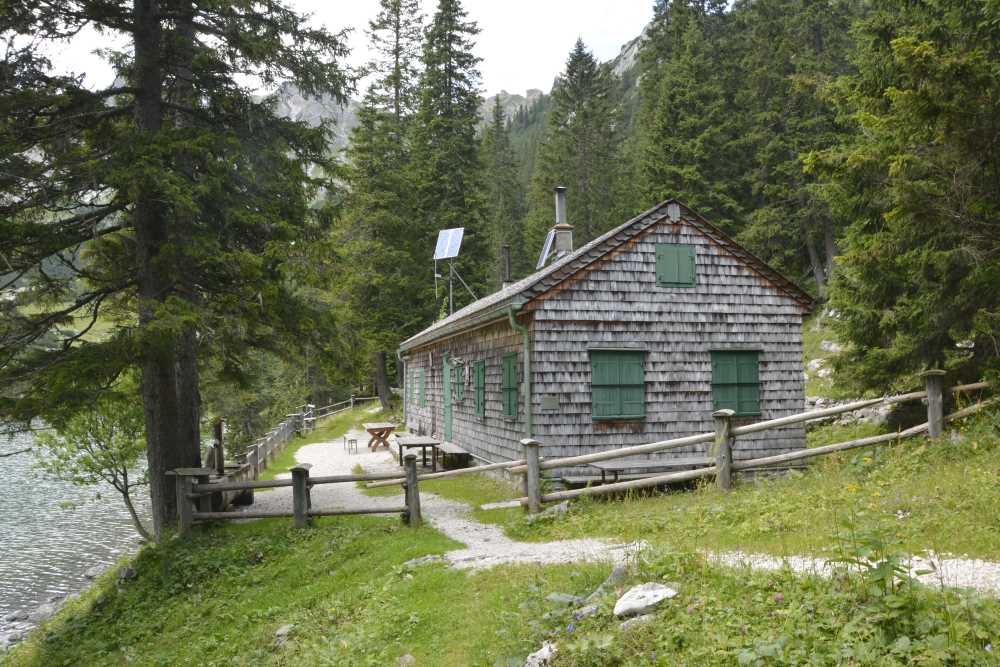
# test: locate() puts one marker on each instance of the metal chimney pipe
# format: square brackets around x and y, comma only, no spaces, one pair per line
[505,263]
[560,204]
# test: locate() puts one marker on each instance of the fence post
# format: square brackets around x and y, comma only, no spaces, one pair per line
[412,491]
[205,501]
[352,401]
[724,448]
[300,494]
[934,380]
[220,455]
[533,476]
[183,490]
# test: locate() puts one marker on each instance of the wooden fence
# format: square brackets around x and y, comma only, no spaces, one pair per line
[195,495]
[723,441]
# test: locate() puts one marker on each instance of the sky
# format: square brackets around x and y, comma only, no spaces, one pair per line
[523,43]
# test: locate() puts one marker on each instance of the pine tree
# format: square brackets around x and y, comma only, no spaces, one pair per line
[446,173]
[579,151]
[504,197]
[174,203]
[378,240]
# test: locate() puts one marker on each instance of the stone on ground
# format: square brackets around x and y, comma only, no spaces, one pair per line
[642,599]
[636,620]
[543,657]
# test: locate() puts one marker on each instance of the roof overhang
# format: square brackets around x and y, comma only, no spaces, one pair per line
[495,313]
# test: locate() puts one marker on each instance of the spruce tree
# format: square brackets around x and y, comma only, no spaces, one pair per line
[917,284]
[173,203]
[579,151]
[504,197]
[446,173]
[381,245]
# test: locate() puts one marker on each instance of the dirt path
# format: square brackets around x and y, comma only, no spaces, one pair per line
[485,545]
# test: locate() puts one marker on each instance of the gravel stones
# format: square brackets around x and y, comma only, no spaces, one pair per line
[642,599]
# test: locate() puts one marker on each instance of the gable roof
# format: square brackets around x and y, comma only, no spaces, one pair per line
[496,306]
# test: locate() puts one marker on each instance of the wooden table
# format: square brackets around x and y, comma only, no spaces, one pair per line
[423,442]
[379,433]
[617,467]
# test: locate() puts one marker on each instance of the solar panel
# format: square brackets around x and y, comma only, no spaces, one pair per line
[448,243]
[546,249]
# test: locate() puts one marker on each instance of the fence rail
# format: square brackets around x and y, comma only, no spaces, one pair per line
[195,493]
[724,442]
[520,466]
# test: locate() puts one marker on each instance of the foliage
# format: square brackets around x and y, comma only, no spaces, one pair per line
[579,151]
[918,178]
[100,446]
[175,201]
[504,199]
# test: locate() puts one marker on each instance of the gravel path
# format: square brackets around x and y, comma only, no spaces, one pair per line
[485,545]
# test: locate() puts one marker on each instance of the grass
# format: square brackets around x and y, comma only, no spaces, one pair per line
[344,588]
[815,330]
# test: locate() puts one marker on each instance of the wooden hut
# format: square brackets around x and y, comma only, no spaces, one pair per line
[636,337]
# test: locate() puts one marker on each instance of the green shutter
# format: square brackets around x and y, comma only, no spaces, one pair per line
[618,384]
[675,265]
[421,393]
[509,385]
[736,382]
[480,380]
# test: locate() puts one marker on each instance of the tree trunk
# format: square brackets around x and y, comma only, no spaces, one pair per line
[382,381]
[830,245]
[818,270]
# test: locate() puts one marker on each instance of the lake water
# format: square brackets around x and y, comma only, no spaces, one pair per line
[52,532]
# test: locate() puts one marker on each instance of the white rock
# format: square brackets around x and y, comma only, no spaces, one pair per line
[636,620]
[585,612]
[642,599]
[542,657]
[824,372]
[406,660]
[831,346]
[814,365]
[281,634]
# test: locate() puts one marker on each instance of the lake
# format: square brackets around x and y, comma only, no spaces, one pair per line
[52,532]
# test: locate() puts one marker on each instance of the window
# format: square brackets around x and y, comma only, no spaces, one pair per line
[736,382]
[675,265]
[617,384]
[421,394]
[457,384]
[509,385]
[480,384]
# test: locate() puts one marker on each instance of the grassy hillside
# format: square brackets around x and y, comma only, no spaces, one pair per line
[222,597]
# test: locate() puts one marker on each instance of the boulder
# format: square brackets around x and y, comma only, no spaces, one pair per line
[831,346]
[825,372]
[814,365]
[642,599]
[585,612]
[543,657]
[636,620]
[43,612]
[282,633]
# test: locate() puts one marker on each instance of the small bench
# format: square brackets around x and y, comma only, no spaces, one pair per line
[621,467]
[450,449]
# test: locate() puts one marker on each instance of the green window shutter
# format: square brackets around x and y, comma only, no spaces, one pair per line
[421,393]
[509,385]
[618,384]
[736,382]
[675,265]
[480,383]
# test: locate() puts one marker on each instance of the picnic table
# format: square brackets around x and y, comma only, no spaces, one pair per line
[423,442]
[621,466]
[379,433]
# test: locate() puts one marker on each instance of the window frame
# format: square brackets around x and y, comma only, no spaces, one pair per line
[740,385]
[421,388]
[619,388]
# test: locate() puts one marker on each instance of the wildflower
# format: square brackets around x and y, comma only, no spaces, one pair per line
[570,628]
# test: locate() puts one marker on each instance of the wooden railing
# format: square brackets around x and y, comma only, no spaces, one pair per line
[195,493]
[723,439]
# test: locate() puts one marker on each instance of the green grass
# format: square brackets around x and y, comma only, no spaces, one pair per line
[815,330]
[331,429]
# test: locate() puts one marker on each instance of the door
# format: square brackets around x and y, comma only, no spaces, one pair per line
[446,388]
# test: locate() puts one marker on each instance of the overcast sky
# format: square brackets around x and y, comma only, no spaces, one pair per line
[523,43]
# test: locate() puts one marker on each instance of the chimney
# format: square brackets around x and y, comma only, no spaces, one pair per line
[563,241]
[505,264]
